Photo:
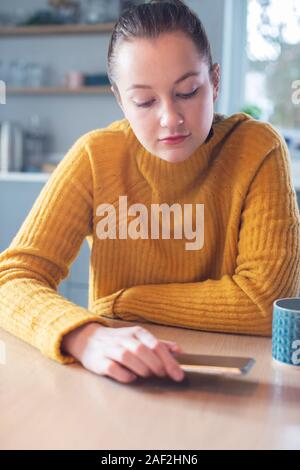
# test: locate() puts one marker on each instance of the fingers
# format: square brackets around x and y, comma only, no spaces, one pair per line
[101,365]
[117,372]
[126,353]
[131,356]
[173,368]
[160,349]
[147,359]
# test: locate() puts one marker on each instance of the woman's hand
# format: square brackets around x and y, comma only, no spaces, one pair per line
[122,353]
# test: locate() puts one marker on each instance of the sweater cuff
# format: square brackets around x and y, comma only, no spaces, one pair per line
[49,340]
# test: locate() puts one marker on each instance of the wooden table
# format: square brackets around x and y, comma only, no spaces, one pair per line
[46,405]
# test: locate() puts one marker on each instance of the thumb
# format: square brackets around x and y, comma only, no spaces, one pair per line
[173,347]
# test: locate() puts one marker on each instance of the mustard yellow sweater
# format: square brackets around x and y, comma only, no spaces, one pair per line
[250,254]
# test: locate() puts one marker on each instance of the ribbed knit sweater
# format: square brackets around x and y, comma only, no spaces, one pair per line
[251,246]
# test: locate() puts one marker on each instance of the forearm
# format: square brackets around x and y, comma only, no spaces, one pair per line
[208,305]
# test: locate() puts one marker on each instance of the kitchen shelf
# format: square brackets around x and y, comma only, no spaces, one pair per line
[24,177]
[88,90]
[56,29]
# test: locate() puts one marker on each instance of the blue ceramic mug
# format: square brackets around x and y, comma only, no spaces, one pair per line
[286,331]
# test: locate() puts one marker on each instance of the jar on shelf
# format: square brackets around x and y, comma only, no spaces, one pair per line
[36,145]
[97,11]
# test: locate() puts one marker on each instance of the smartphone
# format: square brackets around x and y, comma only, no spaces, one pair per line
[214,364]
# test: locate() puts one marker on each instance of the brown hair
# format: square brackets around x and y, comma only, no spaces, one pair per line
[152,19]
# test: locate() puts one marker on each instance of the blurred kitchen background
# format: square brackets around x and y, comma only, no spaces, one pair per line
[54,87]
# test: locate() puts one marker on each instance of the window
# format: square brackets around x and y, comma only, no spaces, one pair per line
[272,82]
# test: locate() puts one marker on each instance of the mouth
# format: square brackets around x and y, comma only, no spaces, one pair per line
[175,140]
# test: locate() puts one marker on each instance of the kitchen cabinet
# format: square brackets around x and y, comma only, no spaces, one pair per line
[16,200]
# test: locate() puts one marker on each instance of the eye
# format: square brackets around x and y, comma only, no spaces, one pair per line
[144,105]
[188,95]
[181,95]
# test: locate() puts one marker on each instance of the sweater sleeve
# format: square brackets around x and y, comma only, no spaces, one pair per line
[40,255]
[267,266]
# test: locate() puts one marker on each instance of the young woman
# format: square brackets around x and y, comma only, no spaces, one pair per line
[228,176]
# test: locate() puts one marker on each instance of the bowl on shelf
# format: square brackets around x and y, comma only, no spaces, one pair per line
[95,80]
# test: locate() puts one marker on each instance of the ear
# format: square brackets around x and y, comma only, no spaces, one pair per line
[216,80]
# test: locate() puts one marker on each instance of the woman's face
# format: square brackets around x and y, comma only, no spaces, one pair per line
[164,89]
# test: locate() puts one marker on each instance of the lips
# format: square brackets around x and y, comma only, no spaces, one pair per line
[175,139]
[177,136]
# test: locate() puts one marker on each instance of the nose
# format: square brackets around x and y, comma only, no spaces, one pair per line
[171,117]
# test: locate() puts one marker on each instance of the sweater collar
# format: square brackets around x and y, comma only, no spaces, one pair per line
[170,181]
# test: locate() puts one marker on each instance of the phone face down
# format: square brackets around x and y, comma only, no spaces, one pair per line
[207,364]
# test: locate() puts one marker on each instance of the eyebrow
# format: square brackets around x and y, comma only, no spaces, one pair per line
[184,77]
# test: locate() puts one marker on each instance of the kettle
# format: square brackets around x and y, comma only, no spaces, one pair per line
[11,147]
